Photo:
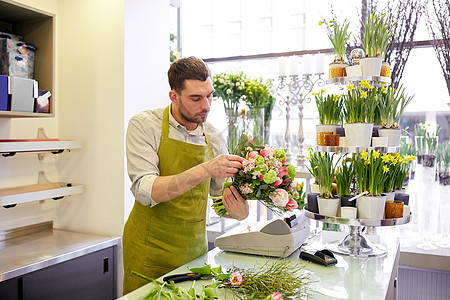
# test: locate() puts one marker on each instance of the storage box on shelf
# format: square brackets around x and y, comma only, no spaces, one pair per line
[36,27]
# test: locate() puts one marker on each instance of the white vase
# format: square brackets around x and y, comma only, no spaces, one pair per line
[393,135]
[371,66]
[328,206]
[371,207]
[358,134]
[327,128]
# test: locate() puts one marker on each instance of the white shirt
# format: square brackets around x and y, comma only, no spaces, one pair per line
[142,143]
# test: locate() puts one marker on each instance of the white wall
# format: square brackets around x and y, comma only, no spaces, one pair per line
[146,63]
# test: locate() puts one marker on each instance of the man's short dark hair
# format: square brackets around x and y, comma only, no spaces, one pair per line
[187,68]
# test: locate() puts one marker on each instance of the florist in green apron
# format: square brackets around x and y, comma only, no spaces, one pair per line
[172,154]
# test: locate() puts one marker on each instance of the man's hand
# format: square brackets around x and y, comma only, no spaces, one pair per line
[236,206]
[223,166]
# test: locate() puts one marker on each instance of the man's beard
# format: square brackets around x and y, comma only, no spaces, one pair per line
[192,119]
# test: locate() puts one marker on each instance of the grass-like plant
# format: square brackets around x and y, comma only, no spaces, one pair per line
[359,104]
[377,32]
[344,177]
[329,107]
[370,171]
[322,167]
[392,103]
[338,35]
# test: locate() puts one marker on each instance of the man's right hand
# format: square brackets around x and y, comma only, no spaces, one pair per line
[223,166]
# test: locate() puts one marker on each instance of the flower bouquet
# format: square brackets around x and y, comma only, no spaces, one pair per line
[266,176]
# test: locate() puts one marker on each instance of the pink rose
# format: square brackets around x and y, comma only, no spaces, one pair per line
[267,152]
[250,141]
[277,182]
[252,154]
[276,296]
[236,279]
[291,205]
[279,197]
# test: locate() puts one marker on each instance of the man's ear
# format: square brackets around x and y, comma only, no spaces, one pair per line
[173,96]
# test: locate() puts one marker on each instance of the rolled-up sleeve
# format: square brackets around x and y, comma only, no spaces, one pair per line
[142,159]
[219,147]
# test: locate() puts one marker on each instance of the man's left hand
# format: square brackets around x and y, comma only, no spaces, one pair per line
[236,206]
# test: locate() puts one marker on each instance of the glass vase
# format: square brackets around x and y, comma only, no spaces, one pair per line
[255,123]
[234,129]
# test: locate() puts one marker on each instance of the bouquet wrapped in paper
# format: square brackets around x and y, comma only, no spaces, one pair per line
[266,176]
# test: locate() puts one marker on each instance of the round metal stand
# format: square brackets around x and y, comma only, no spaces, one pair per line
[355,243]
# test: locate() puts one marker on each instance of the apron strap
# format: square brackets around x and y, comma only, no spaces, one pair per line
[165,123]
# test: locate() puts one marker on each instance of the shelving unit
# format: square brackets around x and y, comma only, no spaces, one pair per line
[35,27]
[356,149]
[12,148]
[64,189]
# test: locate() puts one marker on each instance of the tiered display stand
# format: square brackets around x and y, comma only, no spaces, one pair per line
[355,243]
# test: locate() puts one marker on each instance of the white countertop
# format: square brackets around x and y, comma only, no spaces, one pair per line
[350,278]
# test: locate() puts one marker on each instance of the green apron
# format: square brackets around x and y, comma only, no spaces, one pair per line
[159,239]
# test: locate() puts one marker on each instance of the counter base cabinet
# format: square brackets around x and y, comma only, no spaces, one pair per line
[92,276]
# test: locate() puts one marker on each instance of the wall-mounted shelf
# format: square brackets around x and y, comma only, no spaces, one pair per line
[12,196]
[12,148]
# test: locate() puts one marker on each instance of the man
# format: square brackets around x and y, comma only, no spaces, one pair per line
[172,155]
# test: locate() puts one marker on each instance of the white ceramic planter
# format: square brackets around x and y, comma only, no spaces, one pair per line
[390,196]
[353,71]
[371,66]
[327,128]
[370,207]
[393,135]
[328,207]
[358,134]
[380,141]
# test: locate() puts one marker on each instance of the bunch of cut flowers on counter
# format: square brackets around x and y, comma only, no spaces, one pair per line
[266,176]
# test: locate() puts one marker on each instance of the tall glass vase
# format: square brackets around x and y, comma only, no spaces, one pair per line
[234,130]
[255,123]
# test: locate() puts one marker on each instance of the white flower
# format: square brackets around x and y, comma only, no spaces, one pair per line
[229,91]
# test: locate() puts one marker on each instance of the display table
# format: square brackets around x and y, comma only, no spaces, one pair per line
[350,278]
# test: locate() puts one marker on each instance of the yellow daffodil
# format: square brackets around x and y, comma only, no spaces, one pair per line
[364,94]
[376,154]
[350,87]
[384,90]
[364,83]
[394,162]
[385,158]
[321,22]
[367,162]
[364,154]
[385,169]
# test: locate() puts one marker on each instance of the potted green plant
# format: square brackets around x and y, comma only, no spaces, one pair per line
[323,165]
[338,35]
[330,108]
[344,179]
[371,174]
[375,41]
[392,103]
[358,104]
[231,88]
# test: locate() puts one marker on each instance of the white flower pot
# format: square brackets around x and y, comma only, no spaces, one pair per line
[371,66]
[327,128]
[315,188]
[380,141]
[393,135]
[370,207]
[328,207]
[353,71]
[358,134]
[390,196]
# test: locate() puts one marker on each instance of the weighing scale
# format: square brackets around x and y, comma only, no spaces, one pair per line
[278,237]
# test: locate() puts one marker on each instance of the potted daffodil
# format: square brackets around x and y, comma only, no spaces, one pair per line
[338,35]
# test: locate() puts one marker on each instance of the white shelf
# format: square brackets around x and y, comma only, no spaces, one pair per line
[356,149]
[65,189]
[11,148]
[351,79]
